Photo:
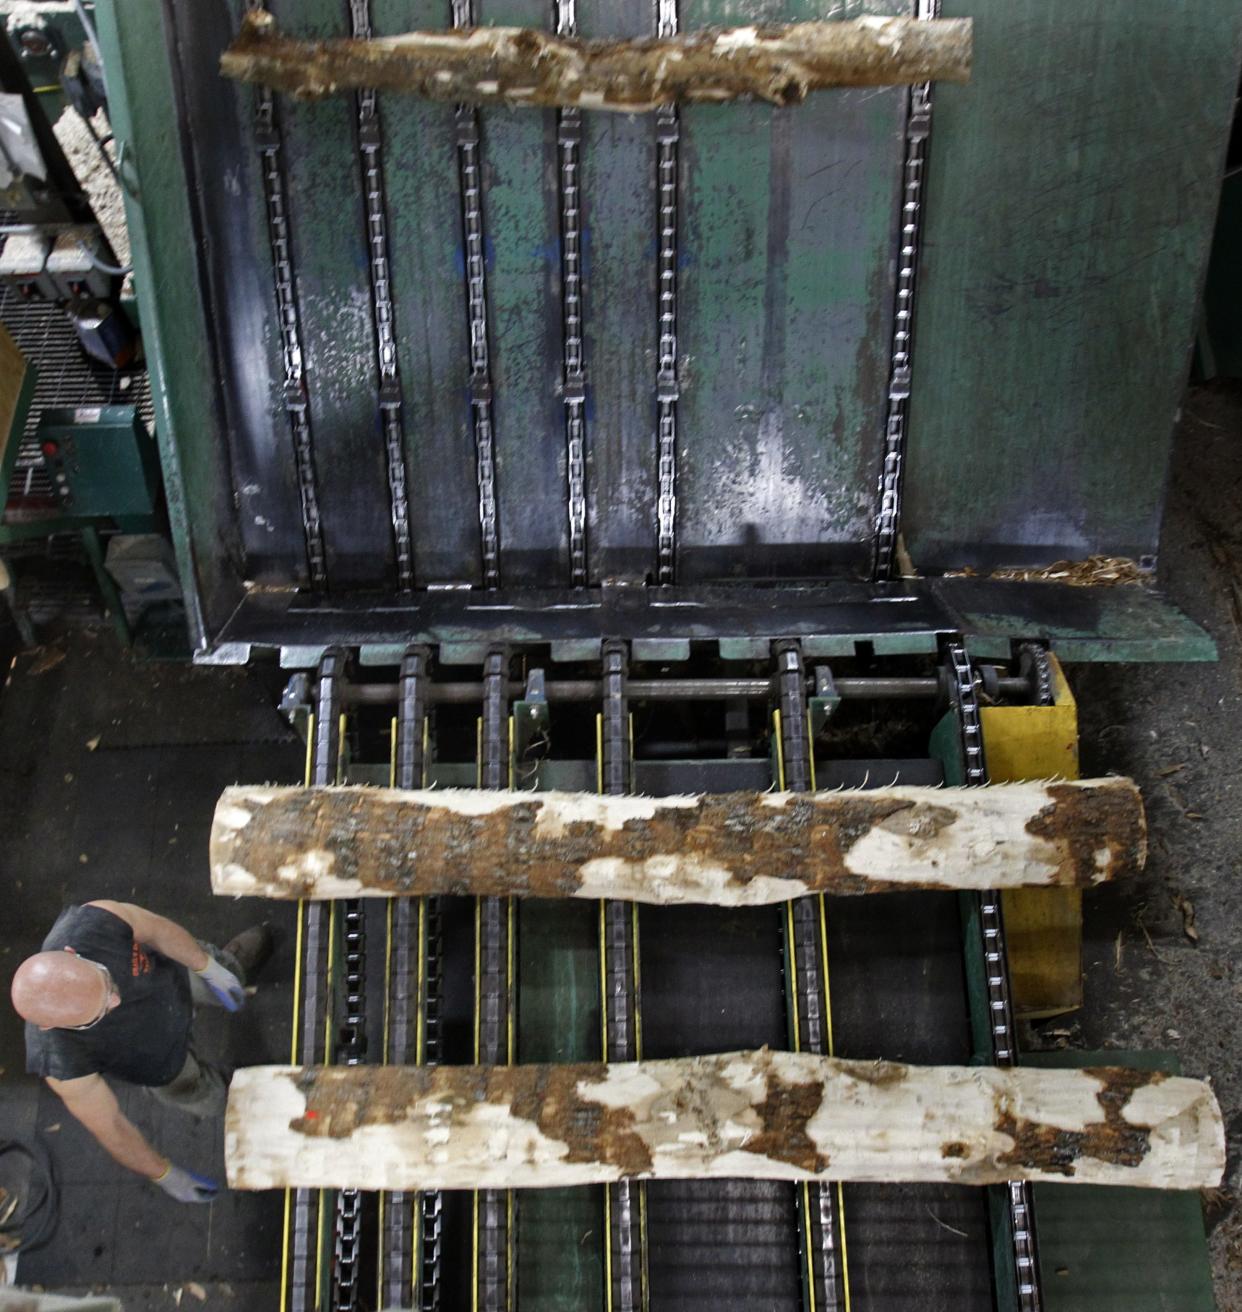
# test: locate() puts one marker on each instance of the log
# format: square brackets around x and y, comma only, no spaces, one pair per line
[752,1115]
[779,62]
[729,849]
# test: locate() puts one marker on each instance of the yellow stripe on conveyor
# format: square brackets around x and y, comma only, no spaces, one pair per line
[823,947]
[293,1043]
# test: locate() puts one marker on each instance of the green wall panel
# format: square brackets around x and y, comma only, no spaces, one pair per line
[1073,186]
[429,297]
[786,311]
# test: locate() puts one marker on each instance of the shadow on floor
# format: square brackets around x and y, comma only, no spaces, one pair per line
[109,772]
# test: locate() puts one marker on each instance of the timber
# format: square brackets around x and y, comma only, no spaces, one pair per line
[728,849]
[780,63]
[754,1115]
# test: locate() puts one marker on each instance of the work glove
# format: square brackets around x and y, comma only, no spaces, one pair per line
[224,985]
[185,1186]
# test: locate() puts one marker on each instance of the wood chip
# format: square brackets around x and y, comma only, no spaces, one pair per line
[1094,572]
[47,659]
[1187,908]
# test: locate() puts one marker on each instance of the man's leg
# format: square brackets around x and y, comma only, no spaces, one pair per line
[199,1088]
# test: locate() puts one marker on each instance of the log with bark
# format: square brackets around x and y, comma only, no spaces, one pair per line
[777,62]
[729,849]
[769,1115]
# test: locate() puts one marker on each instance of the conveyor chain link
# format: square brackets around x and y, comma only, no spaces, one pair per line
[627,1261]
[412,1018]
[910,228]
[350,1040]
[668,133]
[568,144]
[808,987]
[494,998]
[1035,663]
[470,176]
[296,399]
[383,315]
[325,756]
[432,1201]
[996,975]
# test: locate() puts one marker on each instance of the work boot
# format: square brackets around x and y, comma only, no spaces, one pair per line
[251,949]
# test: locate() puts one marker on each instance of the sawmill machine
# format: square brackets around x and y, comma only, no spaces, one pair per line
[562,448]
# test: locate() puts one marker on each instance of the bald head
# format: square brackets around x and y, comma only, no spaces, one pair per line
[54,989]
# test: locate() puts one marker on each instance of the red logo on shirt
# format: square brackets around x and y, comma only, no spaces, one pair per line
[140,963]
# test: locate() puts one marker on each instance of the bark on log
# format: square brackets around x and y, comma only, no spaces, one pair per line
[730,849]
[769,1115]
[779,63]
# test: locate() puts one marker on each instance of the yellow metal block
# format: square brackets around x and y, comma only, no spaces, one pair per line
[1043,926]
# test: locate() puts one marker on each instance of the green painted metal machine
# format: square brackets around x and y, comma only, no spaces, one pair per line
[586,450]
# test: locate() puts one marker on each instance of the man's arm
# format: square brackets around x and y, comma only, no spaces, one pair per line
[158,932]
[91,1100]
[168,938]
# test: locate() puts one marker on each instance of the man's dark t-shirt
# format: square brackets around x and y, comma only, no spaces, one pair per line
[144,1039]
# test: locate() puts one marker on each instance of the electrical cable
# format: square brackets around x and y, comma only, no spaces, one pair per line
[33,1222]
[102,265]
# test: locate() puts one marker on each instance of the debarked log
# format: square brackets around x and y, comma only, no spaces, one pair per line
[727,849]
[777,62]
[757,1115]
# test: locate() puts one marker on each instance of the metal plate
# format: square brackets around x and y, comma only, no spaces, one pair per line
[1067,235]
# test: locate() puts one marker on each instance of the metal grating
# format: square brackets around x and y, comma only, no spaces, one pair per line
[67,377]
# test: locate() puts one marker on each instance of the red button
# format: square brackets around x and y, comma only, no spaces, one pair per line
[51,449]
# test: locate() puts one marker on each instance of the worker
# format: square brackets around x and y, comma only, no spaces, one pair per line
[113,994]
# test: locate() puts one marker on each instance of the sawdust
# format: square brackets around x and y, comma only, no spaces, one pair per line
[1094,572]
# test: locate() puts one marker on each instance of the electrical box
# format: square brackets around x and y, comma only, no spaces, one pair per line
[101,461]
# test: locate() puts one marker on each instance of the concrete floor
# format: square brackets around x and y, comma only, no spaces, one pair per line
[1164,954]
[109,770]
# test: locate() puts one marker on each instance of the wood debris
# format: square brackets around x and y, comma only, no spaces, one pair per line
[1094,572]
[780,63]
[747,1115]
[728,849]
[1187,909]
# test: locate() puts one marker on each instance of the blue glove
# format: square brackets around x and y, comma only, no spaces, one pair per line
[186,1186]
[225,987]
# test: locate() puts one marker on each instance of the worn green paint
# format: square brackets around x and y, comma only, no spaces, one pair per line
[1073,185]
[560,1231]
[329,248]
[144,123]
[429,296]
[1120,1250]
[268,507]
[619,215]
[1131,624]
[786,300]
[522,224]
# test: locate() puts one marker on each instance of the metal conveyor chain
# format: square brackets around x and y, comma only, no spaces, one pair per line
[668,133]
[302,1239]
[469,147]
[626,1264]
[297,402]
[495,951]
[996,973]
[383,315]
[568,143]
[411,1253]
[805,925]
[910,229]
